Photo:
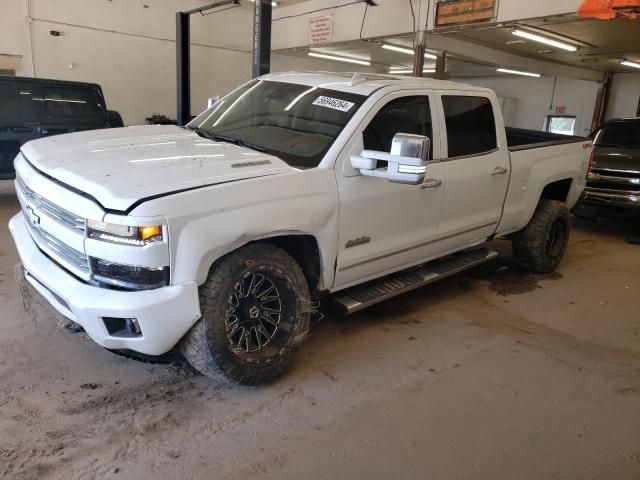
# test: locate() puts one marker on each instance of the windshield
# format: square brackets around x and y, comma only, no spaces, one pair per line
[623,135]
[296,123]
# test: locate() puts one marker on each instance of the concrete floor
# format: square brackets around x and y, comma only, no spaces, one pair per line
[493,374]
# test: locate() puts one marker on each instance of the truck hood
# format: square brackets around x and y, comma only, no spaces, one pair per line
[122,166]
[625,159]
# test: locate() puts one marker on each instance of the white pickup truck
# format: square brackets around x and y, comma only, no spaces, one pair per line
[220,237]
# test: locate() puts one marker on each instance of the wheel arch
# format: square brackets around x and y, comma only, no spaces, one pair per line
[557,190]
[304,248]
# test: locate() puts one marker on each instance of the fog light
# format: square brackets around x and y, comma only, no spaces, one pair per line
[122,327]
[133,326]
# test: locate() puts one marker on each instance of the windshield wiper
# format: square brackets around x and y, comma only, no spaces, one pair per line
[202,133]
[238,142]
[216,137]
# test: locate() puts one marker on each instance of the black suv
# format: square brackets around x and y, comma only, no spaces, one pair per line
[32,108]
[613,184]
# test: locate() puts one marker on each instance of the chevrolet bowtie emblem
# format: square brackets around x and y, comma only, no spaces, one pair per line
[34,218]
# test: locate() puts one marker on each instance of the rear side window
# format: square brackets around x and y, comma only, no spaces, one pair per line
[402,115]
[20,102]
[67,105]
[471,127]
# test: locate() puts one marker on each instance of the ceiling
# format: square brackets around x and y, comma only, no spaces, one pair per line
[602,44]
[381,59]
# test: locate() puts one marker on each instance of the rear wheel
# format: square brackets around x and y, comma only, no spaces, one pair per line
[540,246]
[255,311]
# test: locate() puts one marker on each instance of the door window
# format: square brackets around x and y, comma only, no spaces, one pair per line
[67,105]
[402,115]
[471,126]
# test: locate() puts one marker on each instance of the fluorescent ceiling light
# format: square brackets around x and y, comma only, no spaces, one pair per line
[425,67]
[408,51]
[410,70]
[518,72]
[546,40]
[273,4]
[339,59]
[628,63]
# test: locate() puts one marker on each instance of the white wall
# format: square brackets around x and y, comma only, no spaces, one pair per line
[389,17]
[625,95]
[536,98]
[14,33]
[129,49]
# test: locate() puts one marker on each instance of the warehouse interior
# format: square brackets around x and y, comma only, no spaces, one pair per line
[495,372]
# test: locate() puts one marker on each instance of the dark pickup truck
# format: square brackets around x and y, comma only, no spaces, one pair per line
[613,184]
[33,108]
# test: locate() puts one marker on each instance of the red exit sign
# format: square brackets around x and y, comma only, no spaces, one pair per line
[561,110]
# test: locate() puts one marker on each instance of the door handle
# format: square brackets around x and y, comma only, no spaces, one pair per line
[499,171]
[431,183]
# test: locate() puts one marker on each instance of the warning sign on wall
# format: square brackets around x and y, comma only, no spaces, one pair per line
[320,29]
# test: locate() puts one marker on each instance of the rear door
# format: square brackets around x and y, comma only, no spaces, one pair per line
[476,170]
[71,108]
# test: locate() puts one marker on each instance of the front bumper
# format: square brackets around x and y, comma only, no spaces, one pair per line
[611,198]
[164,314]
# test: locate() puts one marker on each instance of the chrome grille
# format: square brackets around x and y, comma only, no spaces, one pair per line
[59,214]
[64,252]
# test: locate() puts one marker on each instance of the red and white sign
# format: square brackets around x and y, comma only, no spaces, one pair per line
[320,29]
[561,110]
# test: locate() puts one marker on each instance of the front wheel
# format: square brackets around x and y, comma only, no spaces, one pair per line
[540,246]
[254,313]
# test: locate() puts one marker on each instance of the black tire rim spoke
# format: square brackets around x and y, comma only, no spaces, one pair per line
[255,311]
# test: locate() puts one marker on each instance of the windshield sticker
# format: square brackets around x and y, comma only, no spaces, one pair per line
[333,103]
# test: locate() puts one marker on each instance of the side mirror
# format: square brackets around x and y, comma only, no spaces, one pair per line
[406,163]
[212,101]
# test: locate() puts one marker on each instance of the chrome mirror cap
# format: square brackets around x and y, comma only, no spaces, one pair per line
[409,145]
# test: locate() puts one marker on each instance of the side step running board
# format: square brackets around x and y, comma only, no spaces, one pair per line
[362,296]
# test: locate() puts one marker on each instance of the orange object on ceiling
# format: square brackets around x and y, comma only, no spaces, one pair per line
[608,9]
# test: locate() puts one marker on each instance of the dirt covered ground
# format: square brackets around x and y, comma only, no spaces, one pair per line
[492,374]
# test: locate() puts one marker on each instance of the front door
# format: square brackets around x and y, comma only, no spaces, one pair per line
[386,226]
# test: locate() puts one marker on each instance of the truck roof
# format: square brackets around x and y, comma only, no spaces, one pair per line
[366,83]
[14,79]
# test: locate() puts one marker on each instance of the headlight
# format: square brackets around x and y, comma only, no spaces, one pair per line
[124,234]
[130,277]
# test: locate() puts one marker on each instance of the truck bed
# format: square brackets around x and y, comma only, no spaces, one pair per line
[523,139]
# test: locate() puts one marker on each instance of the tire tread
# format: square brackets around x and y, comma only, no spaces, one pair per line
[528,245]
[196,346]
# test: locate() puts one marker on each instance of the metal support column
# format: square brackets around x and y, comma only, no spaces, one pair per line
[183,54]
[602,101]
[261,38]
[441,65]
[418,54]
[183,67]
